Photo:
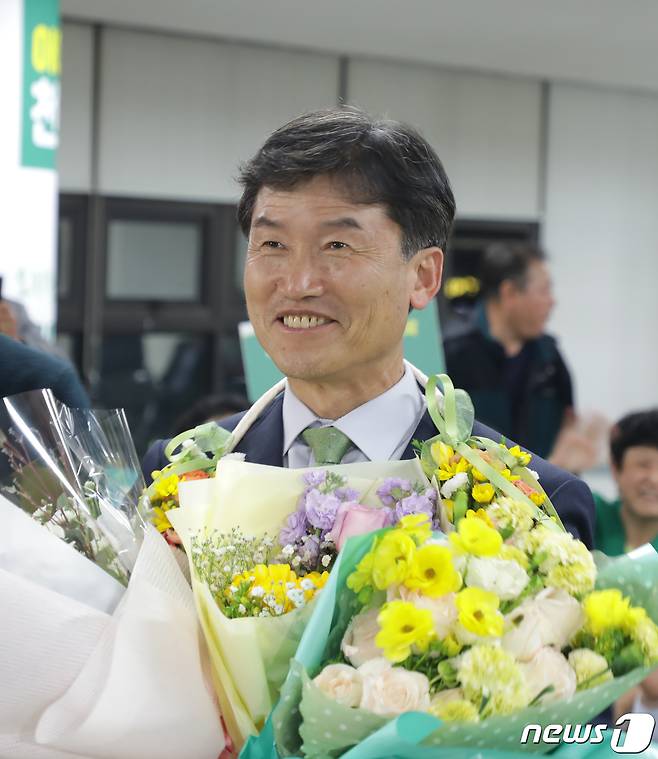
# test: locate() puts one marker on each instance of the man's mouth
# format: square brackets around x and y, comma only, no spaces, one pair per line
[303,321]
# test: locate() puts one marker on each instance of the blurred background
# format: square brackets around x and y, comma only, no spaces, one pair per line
[544,114]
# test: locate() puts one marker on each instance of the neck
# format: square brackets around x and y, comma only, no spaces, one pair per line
[331,399]
[639,530]
[500,329]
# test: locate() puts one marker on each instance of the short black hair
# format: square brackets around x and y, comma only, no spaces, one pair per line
[379,161]
[507,261]
[638,428]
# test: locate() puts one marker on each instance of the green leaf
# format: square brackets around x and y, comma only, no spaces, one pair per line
[465,415]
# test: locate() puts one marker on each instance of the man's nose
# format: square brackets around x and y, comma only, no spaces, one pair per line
[303,277]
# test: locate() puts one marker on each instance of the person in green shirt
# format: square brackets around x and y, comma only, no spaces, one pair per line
[632,519]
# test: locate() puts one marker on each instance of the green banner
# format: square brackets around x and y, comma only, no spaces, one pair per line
[42,42]
[422,347]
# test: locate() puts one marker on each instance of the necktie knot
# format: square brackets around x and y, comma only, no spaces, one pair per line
[328,444]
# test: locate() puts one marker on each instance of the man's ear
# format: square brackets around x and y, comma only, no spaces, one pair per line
[428,269]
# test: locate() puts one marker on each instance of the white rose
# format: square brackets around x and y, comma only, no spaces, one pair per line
[549,668]
[342,683]
[551,618]
[447,696]
[451,486]
[443,609]
[505,578]
[359,640]
[390,691]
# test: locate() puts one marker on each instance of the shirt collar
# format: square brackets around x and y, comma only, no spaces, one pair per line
[377,427]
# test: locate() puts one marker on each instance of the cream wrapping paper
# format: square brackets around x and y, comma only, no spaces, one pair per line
[78,681]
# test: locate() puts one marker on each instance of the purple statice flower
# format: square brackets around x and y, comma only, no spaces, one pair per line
[295,529]
[430,493]
[390,516]
[393,489]
[346,494]
[315,478]
[414,504]
[321,509]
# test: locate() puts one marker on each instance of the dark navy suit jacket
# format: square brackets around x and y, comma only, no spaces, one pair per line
[263,444]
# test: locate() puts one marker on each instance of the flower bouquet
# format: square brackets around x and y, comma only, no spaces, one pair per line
[260,542]
[89,667]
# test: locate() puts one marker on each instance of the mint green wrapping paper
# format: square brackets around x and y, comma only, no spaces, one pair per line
[307,723]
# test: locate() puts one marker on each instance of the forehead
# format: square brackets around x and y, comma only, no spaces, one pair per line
[637,453]
[314,201]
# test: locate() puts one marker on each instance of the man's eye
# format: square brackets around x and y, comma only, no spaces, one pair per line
[272,244]
[337,245]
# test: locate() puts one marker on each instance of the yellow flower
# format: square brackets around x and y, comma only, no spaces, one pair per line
[477,475]
[160,520]
[537,498]
[479,514]
[606,609]
[478,612]
[522,457]
[393,557]
[458,710]
[433,573]
[449,506]
[361,577]
[475,537]
[417,526]
[451,646]
[483,493]
[403,626]
[165,486]
[448,462]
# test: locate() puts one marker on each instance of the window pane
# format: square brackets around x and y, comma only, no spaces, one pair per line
[153,260]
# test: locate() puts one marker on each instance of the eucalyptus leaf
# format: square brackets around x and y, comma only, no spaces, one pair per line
[465,415]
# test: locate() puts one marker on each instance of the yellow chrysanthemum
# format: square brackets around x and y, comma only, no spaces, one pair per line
[478,613]
[392,560]
[537,498]
[606,609]
[165,486]
[417,526]
[448,462]
[591,668]
[458,710]
[432,572]
[487,671]
[522,457]
[361,577]
[507,474]
[483,493]
[160,520]
[479,514]
[403,626]
[474,536]
[512,553]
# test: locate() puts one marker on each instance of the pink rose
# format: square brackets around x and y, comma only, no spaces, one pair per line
[355,519]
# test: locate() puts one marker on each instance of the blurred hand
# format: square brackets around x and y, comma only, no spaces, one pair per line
[8,324]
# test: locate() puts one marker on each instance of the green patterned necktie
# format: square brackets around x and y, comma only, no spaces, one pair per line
[328,444]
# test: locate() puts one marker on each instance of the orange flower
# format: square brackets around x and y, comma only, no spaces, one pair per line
[195,474]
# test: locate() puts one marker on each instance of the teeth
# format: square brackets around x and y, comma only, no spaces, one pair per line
[303,322]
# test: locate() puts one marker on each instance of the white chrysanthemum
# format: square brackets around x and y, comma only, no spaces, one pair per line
[508,514]
[488,672]
[591,668]
[451,486]
[646,634]
[504,578]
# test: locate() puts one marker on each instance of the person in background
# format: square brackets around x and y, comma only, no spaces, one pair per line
[631,520]
[15,322]
[23,368]
[513,371]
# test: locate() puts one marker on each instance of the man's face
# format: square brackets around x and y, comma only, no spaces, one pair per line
[637,480]
[327,289]
[530,306]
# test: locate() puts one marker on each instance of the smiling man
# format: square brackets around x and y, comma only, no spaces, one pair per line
[347,219]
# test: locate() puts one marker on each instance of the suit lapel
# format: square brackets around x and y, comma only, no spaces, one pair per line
[263,441]
[424,431]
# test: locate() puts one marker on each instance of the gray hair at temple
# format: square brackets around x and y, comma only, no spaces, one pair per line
[377,161]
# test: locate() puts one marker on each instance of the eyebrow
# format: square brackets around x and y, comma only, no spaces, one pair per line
[343,222]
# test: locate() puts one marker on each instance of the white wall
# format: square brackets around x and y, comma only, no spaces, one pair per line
[602,232]
[486,130]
